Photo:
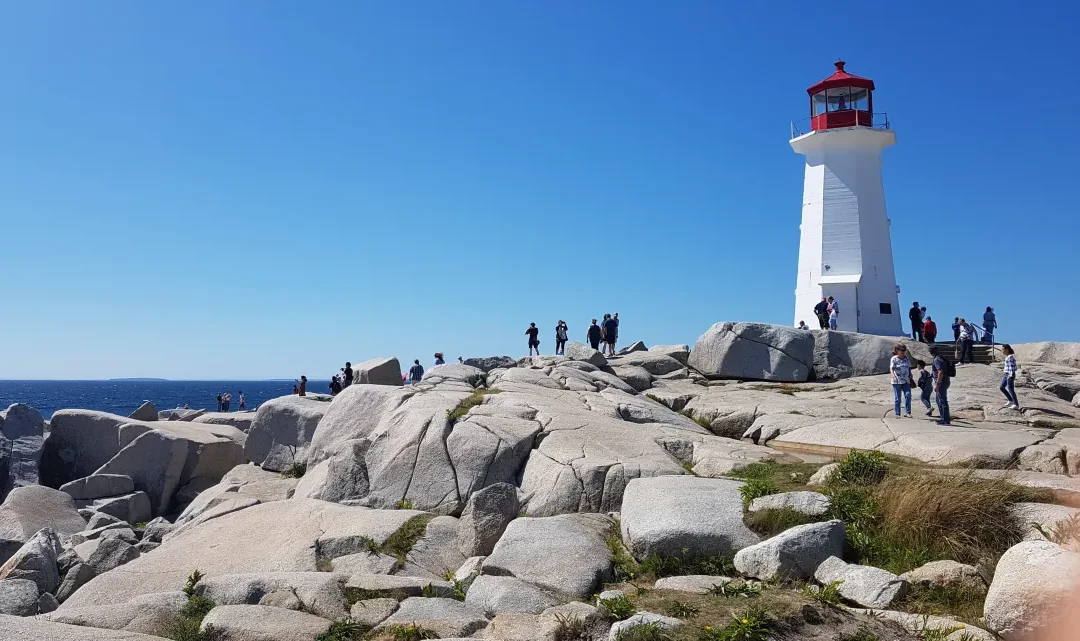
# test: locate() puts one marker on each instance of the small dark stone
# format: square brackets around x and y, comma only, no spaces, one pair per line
[811,615]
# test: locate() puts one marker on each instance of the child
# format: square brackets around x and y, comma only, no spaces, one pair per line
[926,384]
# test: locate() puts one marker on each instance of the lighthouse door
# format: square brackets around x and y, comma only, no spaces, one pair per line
[846,294]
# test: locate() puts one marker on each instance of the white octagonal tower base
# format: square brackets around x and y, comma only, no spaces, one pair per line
[845,250]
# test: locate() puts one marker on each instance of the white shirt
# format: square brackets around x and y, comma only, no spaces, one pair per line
[900,370]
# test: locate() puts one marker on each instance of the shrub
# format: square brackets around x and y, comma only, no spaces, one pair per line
[752,625]
[757,487]
[410,632]
[644,632]
[192,580]
[618,608]
[569,627]
[961,601]
[682,610]
[861,468]
[186,626]
[404,504]
[344,630]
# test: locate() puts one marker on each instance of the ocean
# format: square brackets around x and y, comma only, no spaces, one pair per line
[123,397]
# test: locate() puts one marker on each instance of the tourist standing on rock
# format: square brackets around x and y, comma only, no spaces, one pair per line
[534,338]
[611,334]
[926,387]
[942,374]
[967,341]
[416,372]
[219,402]
[562,334]
[989,325]
[335,385]
[929,330]
[348,379]
[821,310]
[1008,382]
[900,372]
[243,403]
[226,400]
[303,385]
[594,335]
[915,314]
[956,329]
[439,360]
[834,313]
[460,360]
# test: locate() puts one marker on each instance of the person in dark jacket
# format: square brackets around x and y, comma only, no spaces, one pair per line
[915,315]
[562,334]
[594,335]
[821,310]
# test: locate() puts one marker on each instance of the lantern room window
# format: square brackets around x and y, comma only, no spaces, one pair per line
[841,99]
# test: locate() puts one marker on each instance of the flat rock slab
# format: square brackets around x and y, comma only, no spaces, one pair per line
[36,628]
[793,554]
[673,515]
[867,586]
[399,587]
[445,617]
[566,554]
[1047,516]
[264,623]
[809,503]
[372,612]
[319,593]
[148,614]
[502,594]
[696,583]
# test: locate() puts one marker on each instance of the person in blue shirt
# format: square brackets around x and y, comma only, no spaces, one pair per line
[416,372]
[941,380]
[611,334]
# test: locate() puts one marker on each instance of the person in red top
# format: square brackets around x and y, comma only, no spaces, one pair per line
[929,330]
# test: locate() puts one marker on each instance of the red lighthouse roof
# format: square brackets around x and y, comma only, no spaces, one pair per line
[841,78]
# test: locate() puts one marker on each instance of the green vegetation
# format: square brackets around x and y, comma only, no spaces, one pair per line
[736,589]
[295,471]
[569,627]
[861,468]
[469,402]
[786,477]
[186,626]
[861,635]
[682,610]
[756,488]
[645,632]
[752,625]
[963,602]
[826,594]
[404,504]
[658,566]
[618,608]
[344,630]
[401,542]
[769,523]
[410,632]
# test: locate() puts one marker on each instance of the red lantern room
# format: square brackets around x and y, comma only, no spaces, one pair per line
[841,100]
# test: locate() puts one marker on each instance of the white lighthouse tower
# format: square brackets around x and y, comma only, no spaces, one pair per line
[845,250]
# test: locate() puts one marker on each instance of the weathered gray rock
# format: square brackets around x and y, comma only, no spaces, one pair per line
[502,594]
[566,554]
[282,430]
[1047,457]
[754,351]
[867,586]
[378,371]
[549,625]
[809,503]
[654,363]
[619,628]
[119,530]
[486,515]
[354,414]
[74,579]
[581,352]
[436,552]
[146,546]
[99,520]
[341,477]
[26,510]
[794,554]
[22,435]
[945,573]
[47,603]
[636,346]
[319,593]
[111,553]
[39,629]
[399,587]
[447,618]
[372,612]
[680,353]
[696,583]
[636,377]
[1066,354]
[147,614]
[239,420]
[132,508]
[846,354]
[18,597]
[365,563]
[79,442]
[98,486]
[156,530]
[36,561]
[1034,584]
[822,476]
[146,412]
[921,624]
[263,623]
[1047,516]
[182,415]
[674,515]
[488,363]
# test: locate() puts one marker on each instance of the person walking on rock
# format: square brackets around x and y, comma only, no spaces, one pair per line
[243,403]
[348,379]
[594,335]
[821,310]
[611,334]
[220,402]
[942,374]
[926,387]
[1008,381]
[989,325]
[900,376]
[562,334]
[916,316]
[929,330]
[834,313]
[303,386]
[967,341]
[416,372]
[534,339]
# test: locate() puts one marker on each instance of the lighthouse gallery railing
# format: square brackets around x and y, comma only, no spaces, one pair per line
[878,120]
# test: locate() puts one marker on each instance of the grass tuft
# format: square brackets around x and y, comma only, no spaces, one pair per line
[401,542]
[769,523]
[618,608]
[681,610]
[410,632]
[645,632]
[344,630]
[185,627]
[960,601]
[826,594]
[757,487]
[752,625]
[469,402]
[569,627]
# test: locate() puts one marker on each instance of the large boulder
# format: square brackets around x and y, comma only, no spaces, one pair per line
[133,508]
[38,629]
[566,554]
[319,593]
[486,515]
[653,362]
[29,509]
[673,515]
[36,561]
[146,412]
[98,486]
[488,363]
[239,420]
[846,354]
[18,597]
[1034,584]
[754,351]
[867,586]
[282,430]
[581,352]
[945,573]
[263,623]
[447,618]
[79,442]
[680,353]
[794,554]
[355,413]
[1066,354]
[22,441]
[501,594]
[111,553]
[148,614]
[339,478]
[378,371]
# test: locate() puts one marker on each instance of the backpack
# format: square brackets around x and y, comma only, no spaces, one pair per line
[950,368]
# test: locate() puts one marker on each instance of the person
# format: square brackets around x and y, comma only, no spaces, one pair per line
[611,334]
[187,406]
[941,373]
[900,376]
[802,325]
[967,341]
[335,385]
[295,389]
[956,329]
[303,385]
[926,386]
[460,360]
[603,332]
[416,372]
[220,402]
[1008,381]
[821,310]
[916,316]
[594,334]
[534,338]
[929,330]
[226,400]
[562,334]
[348,379]
[989,325]
[243,403]
[439,360]
[834,313]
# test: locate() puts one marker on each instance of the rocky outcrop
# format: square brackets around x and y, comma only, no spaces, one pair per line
[29,509]
[619,629]
[98,486]
[680,353]
[486,515]
[379,371]
[341,477]
[21,444]
[794,554]
[1065,354]
[80,442]
[581,352]
[18,597]
[495,595]
[808,503]
[488,363]
[282,430]
[447,618]
[36,561]
[319,593]
[146,412]
[148,614]
[754,351]
[264,623]
[354,414]
[1034,584]
[654,363]
[846,354]
[864,585]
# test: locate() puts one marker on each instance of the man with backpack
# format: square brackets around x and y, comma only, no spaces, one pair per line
[915,315]
[943,372]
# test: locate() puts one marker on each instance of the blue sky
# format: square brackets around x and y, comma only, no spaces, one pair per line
[264,189]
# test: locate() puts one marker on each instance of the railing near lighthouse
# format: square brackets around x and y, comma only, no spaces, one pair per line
[877,120]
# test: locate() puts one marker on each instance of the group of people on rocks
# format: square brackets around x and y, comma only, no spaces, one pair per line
[224,402]
[827,312]
[601,335]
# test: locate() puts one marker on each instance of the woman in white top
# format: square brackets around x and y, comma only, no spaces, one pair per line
[900,375]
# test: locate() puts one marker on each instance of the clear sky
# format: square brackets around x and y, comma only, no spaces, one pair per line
[263,189]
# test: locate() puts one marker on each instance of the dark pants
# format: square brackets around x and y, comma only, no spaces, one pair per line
[823,321]
[595,343]
[916,331]
[956,334]
[560,346]
[925,396]
[943,402]
[966,348]
[930,338]
[1008,389]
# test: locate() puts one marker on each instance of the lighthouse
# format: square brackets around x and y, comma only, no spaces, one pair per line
[845,250]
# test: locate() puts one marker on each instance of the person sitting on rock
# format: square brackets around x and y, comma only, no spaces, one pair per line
[802,325]
[439,360]
[335,385]
[534,339]
[594,335]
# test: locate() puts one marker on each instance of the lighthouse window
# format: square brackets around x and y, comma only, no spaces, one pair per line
[885,308]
